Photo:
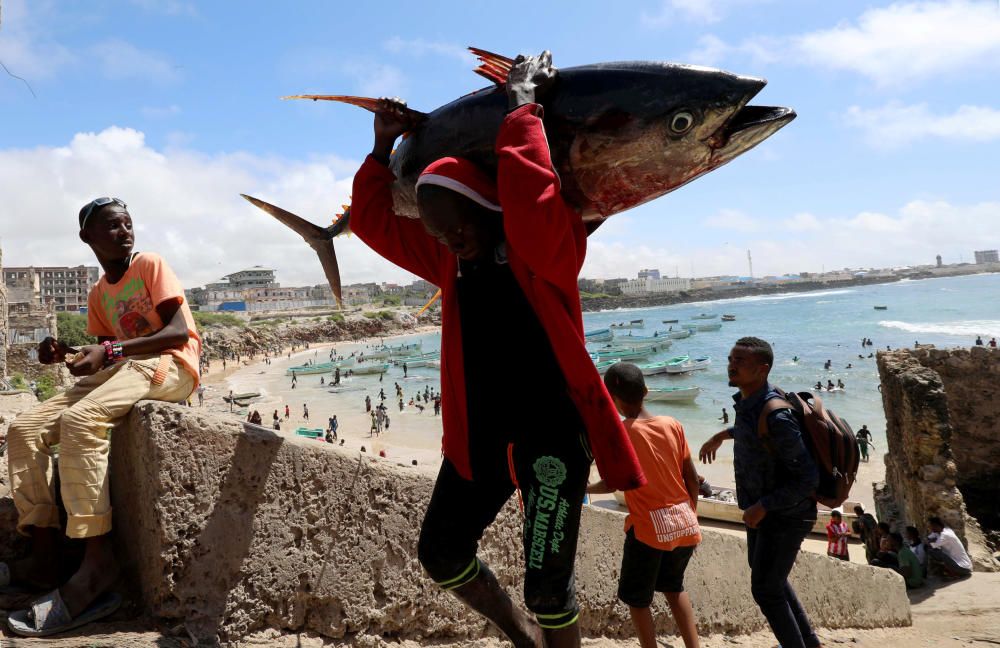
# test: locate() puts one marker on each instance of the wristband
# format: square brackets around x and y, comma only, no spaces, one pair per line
[113,351]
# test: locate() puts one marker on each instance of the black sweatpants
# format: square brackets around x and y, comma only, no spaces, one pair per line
[551,469]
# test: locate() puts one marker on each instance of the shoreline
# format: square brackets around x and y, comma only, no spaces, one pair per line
[707,295]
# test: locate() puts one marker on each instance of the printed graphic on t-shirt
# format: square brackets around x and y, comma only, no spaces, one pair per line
[674,521]
[126,309]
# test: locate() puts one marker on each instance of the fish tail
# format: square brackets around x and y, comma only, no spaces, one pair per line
[368,103]
[492,66]
[320,239]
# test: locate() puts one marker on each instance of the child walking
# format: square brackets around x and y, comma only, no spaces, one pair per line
[662,526]
[148,349]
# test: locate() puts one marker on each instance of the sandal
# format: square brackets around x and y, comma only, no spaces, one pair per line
[48,615]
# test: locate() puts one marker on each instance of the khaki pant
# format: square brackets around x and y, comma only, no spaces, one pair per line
[79,421]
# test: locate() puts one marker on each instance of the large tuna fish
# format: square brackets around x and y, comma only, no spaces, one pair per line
[621,134]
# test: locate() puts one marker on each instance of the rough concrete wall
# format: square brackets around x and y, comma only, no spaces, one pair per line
[971,379]
[11,544]
[921,471]
[234,529]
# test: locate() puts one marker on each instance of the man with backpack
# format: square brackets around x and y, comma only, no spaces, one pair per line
[776,478]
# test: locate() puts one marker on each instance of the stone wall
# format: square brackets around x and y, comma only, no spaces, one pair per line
[971,379]
[11,404]
[232,528]
[933,439]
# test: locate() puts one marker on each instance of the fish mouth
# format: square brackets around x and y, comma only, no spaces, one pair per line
[748,127]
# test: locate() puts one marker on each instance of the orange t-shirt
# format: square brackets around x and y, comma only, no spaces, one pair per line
[660,512]
[127,309]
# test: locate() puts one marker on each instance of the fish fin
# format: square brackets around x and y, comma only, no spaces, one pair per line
[319,239]
[368,103]
[492,66]
[436,296]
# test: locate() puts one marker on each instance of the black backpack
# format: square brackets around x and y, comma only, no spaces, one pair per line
[829,439]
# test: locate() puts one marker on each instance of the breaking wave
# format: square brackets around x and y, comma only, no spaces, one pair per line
[964,328]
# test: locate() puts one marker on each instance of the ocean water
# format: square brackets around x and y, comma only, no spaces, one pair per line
[815,326]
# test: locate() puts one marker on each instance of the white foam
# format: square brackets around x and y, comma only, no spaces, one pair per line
[963,328]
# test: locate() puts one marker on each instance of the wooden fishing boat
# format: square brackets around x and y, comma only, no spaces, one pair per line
[709,327]
[625,355]
[673,394]
[381,354]
[669,321]
[405,350]
[654,368]
[598,335]
[881,308]
[373,368]
[679,335]
[304,370]
[689,364]
[632,324]
[728,318]
[705,316]
[604,365]
[422,360]
[312,433]
[246,396]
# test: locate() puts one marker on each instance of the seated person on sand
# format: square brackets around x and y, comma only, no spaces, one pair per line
[947,551]
[161,364]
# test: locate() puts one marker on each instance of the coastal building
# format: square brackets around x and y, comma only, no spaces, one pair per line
[653,273]
[66,288]
[255,277]
[718,283]
[650,285]
[987,256]
[938,257]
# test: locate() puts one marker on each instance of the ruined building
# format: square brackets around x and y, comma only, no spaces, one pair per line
[943,434]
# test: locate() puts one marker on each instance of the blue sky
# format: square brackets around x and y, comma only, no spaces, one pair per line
[174,106]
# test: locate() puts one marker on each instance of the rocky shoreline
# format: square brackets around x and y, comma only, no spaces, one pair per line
[255,339]
[594,304]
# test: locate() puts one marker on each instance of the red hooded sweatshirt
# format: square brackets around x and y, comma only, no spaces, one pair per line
[546,246]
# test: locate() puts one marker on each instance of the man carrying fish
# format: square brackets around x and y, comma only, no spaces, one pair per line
[506,252]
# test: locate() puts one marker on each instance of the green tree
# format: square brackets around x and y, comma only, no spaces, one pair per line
[73,329]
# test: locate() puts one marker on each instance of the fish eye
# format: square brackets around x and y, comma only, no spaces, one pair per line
[681,122]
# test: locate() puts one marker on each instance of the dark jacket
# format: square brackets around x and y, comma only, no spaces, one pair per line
[780,472]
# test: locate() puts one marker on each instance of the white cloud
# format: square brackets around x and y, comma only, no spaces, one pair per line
[377,79]
[697,11]
[421,47]
[185,204]
[909,41]
[914,234]
[732,219]
[122,60]
[802,222]
[892,46]
[25,47]
[896,124]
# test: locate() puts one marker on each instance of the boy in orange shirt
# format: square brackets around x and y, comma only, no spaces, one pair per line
[148,349]
[662,526]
